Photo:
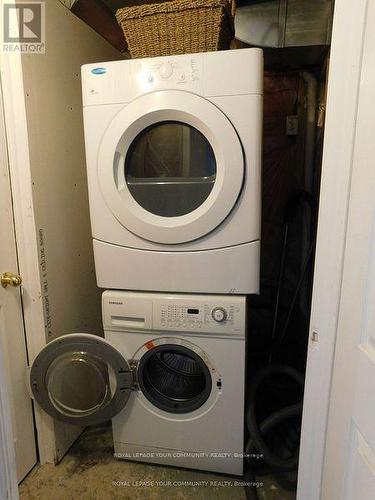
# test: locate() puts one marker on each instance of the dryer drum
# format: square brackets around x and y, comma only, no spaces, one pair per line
[174,378]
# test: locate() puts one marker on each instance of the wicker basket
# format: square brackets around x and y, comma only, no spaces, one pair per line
[177,27]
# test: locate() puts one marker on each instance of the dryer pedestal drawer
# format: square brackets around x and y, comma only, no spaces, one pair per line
[211,271]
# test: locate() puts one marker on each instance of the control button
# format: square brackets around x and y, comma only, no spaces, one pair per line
[219,314]
[181,77]
[166,70]
[150,78]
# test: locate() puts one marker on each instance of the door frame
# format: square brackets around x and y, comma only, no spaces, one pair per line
[341,115]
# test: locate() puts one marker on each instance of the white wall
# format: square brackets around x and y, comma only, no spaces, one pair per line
[52,90]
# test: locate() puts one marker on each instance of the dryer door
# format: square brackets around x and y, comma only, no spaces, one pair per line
[81,379]
[170,167]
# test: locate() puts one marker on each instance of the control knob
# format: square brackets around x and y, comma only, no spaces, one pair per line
[219,314]
[166,70]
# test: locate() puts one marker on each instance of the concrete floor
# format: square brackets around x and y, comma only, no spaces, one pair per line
[90,472]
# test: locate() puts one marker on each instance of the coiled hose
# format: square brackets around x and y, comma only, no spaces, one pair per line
[257,432]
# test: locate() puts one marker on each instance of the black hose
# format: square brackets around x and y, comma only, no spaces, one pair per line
[272,421]
[266,426]
[274,461]
[250,488]
[296,292]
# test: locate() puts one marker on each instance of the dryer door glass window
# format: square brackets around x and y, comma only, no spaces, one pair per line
[174,378]
[170,169]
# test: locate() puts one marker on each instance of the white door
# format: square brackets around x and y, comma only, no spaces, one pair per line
[170,166]
[349,466]
[11,325]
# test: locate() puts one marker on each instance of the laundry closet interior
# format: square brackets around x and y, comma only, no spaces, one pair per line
[167,282]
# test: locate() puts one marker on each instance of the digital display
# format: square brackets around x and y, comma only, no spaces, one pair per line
[193,311]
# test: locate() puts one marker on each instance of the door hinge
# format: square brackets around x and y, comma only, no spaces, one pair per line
[134,369]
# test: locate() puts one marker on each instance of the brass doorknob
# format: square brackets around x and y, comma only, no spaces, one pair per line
[9,279]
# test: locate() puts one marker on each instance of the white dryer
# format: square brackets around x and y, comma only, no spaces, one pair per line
[173,148]
[170,372]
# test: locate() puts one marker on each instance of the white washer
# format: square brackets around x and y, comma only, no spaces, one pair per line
[173,148]
[170,372]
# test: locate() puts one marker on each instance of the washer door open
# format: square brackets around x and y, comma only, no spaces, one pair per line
[81,379]
[170,167]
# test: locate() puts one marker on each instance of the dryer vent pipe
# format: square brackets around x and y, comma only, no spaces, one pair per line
[311,103]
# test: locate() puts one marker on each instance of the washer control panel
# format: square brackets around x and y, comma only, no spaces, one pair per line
[167,313]
[216,316]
